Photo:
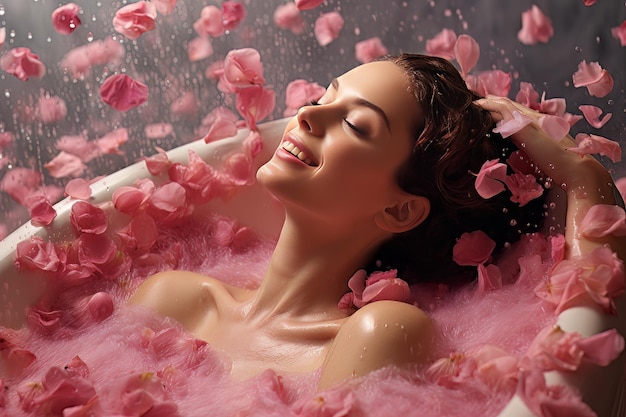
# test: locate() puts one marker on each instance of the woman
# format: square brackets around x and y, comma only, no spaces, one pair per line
[382,164]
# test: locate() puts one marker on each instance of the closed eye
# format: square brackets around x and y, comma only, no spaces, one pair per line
[353,127]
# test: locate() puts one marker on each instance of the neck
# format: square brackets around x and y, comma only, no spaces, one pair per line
[310,268]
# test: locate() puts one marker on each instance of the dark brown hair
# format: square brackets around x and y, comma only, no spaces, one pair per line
[451,145]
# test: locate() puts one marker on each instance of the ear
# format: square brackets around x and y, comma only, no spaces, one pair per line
[408,212]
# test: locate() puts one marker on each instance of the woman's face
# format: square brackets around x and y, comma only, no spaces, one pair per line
[338,158]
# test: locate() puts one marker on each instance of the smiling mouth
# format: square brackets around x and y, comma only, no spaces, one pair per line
[295,151]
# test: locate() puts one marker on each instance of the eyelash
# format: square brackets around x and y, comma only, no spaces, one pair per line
[350,125]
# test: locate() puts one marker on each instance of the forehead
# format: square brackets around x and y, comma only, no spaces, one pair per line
[386,85]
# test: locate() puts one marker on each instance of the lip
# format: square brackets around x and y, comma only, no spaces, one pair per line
[296,141]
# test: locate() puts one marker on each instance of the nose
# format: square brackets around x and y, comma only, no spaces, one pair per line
[311,119]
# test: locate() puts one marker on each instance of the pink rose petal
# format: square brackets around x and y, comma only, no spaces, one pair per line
[158,163]
[592,115]
[553,106]
[619,33]
[199,48]
[65,18]
[287,16]
[594,144]
[490,179]
[308,4]
[135,19]
[22,63]
[602,348]
[254,104]
[243,68]
[527,95]
[536,27]
[299,93]
[442,45]
[100,306]
[524,188]
[185,105]
[65,165]
[369,50]
[210,23]
[393,289]
[110,143]
[80,60]
[556,127]
[602,220]
[233,13]
[327,27]
[510,127]
[35,254]
[467,52]
[41,211]
[51,109]
[87,218]
[78,146]
[220,129]
[598,81]
[473,248]
[123,93]
[78,188]
[550,400]
[489,278]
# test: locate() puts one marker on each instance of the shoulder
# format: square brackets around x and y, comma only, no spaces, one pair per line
[379,334]
[180,295]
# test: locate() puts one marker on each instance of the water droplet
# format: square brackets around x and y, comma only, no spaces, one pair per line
[578,49]
[513,222]
[564,186]
[89,37]
[553,205]
[610,102]
[2,11]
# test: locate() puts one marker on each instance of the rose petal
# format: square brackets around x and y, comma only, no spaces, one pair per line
[592,115]
[123,93]
[369,49]
[602,220]
[510,127]
[22,63]
[65,18]
[78,188]
[598,81]
[594,144]
[287,16]
[467,52]
[473,248]
[135,19]
[490,179]
[536,27]
[327,27]
[442,45]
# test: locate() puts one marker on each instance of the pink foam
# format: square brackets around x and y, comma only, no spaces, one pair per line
[134,346]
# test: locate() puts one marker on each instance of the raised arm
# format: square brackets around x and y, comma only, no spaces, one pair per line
[586,183]
[585,180]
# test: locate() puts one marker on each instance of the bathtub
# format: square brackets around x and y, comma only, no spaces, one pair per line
[602,387]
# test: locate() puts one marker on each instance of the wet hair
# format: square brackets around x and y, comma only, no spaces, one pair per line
[452,142]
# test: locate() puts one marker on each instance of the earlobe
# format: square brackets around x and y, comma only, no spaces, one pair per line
[407,213]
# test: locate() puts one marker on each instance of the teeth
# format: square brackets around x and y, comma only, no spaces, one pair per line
[295,151]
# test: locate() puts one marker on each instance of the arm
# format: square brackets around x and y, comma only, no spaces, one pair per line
[586,183]
[585,180]
[379,334]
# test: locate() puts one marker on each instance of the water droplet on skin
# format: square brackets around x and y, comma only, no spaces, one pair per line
[564,186]
[553,205]
[513,222]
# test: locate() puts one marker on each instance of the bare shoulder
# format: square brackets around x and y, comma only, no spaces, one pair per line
[181,295]
[379,334]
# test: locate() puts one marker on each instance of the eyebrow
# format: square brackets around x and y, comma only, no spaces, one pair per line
[369,104]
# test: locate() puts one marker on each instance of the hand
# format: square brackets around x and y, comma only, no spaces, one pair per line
[586,181]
